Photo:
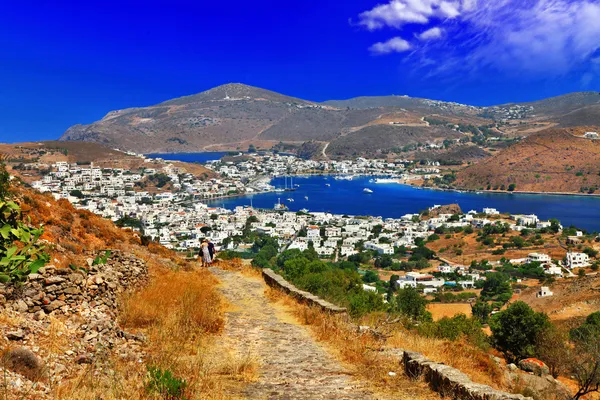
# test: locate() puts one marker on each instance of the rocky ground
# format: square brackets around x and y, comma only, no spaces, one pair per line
[292,364]
[62,322]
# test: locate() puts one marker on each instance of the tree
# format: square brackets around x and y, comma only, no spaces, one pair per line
[496,287]
[384,261]
[411,304]
[370,277]
[586,360]
[552,348]
[251,148]
[515,330]
[512,187]
[481,310]
[554,225]
[77,193]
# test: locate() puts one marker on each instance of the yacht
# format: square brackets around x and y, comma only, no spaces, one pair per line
[328,184]
[290,200]
[367,190]
[305,197]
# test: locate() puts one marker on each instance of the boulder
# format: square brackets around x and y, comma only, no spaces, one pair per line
[24,362]
[535,366]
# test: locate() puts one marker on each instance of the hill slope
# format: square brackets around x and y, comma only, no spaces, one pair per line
[233,116]
[555,160]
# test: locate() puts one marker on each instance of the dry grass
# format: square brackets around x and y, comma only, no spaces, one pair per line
[469,359]
[362,353]
[180,313]
[441,310]
[185,302]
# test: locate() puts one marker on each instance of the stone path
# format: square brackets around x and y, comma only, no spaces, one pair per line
[292,364]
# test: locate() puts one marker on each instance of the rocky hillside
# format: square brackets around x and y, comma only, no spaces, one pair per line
[30,161]
[233,116]
[556,160]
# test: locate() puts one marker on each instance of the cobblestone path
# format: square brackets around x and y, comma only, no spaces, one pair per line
[292,364]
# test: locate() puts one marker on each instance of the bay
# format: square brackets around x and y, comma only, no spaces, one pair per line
[394,200]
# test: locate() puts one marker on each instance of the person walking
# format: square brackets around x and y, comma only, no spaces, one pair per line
[212,250]
[205,253]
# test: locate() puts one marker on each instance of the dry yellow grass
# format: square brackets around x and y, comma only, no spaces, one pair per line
[186,302]
[441,310]
[180,313]
[360,352]
[469,359]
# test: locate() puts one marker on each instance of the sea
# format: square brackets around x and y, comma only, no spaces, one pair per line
[393,200]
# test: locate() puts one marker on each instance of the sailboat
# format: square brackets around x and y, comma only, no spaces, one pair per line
[291,188]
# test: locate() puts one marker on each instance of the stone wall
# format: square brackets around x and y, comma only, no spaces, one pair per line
[450,382]
[276,281]
[65,290]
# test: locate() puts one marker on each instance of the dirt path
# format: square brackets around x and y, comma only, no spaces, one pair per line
[292,364]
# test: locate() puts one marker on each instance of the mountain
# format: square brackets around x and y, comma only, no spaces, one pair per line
[229,116]
[555,160]
[233,116]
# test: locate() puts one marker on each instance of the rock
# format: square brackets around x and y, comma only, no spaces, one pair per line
[83,359]
[392,373]
[54,305]
[15,335]
[24,362]
[20,306]
[512,367]
[535,366]
[90,336]
[59,368]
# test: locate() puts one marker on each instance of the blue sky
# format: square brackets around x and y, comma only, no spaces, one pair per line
[66,62]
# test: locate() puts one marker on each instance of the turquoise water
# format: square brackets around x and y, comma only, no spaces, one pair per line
[394,200]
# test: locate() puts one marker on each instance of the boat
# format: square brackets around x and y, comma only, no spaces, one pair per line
[291,188]
[328,184]
[304,210]
[290,199]
[279,206]
[367,190]
[305,197]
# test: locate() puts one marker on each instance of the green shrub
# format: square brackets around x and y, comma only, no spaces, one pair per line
[515,330]
[20,253]
[165,384]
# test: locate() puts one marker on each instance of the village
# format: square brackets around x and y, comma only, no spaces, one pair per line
[167,206]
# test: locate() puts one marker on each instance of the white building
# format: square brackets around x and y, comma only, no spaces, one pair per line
[538,257]
[491,211]
[577,260]
[380,248]
[544,292]
[414,279]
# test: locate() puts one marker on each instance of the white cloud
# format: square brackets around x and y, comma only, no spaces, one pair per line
[394,45]
[429,34]
[537,37]
[400,12]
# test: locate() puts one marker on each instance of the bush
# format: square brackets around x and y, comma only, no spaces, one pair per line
[411,304]
[165,384]
[20,253]
[454,328]
[515,330]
